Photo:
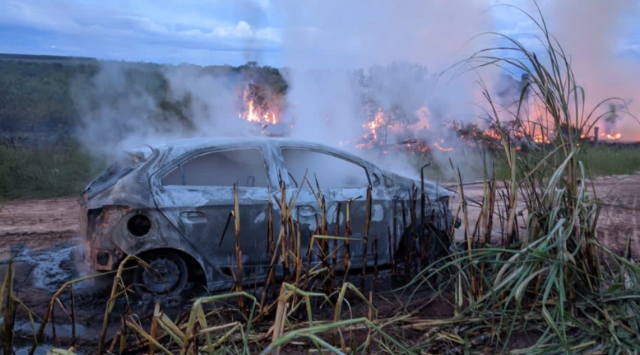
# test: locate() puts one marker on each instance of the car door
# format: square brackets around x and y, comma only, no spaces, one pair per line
[197,195]
[340,180]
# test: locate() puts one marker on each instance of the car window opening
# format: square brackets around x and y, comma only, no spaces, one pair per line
[331,171]
[122,166]
[244,167]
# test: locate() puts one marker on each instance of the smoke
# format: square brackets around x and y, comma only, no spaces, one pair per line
[595,36]
[345,60]
[119,110]
[323,106]
[334,39]
[125,105]
[253,13]
[592,31]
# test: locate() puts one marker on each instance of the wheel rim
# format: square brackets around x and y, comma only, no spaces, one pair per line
[166,274]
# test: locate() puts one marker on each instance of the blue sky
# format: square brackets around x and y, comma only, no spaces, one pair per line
[194,31]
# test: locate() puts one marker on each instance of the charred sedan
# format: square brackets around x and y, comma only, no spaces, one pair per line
[170,205]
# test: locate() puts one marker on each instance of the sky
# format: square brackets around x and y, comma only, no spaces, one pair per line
[211,32]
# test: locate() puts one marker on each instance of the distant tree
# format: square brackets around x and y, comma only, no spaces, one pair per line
[36,96]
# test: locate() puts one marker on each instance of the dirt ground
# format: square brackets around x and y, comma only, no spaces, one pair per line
[42,236]
[619,218]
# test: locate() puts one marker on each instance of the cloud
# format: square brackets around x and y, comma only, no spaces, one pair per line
[122,27]
[209,31]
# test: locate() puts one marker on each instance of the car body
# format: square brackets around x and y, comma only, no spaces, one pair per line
[170,204]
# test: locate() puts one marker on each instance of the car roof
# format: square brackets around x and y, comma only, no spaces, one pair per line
[206,142]
[176,148]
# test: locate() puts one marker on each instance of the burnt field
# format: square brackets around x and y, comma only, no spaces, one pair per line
[43,237]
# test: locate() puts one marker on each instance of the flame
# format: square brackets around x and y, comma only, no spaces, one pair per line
[256,109]
[393,129]
[439,147]
[373,126]
[418,146]
[253,115]
[378,128]
[539,138]
[491,133]
[611,136]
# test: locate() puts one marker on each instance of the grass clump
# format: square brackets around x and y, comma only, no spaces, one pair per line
[597,160]
[555,279]
[44,172]
[610,160]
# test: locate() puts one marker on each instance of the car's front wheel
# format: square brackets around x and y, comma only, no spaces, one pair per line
[168,274]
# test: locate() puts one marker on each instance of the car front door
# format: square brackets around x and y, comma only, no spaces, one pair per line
[342,182]
[197,195]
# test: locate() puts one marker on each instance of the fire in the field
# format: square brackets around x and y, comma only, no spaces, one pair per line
[253,114]
[612,136]
[255,108]
[392,128]
[373,126]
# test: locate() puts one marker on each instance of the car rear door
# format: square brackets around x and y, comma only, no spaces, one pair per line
[197,195]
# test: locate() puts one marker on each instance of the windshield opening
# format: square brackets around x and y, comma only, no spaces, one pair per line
[124,164]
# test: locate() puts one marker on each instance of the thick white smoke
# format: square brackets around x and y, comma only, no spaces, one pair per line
[398,49]
[340,37]
[126,105]
[596,36]
[119,111]
[592,32]
[341,54]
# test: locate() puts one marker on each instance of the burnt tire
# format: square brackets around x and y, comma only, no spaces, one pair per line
[167,274]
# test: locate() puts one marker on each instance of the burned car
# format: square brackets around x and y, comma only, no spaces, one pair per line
[170,205]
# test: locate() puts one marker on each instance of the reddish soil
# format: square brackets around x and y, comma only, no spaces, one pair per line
[42,235]
[38,224]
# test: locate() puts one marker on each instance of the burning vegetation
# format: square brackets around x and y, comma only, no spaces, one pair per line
[400,127]
[256,108]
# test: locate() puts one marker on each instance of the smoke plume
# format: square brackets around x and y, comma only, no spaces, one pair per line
[345,61]
[595,35]
[592,32]
[381,37]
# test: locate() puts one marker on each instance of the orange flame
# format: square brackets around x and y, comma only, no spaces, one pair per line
[439,147]
[612,136]
[374,125]
[539,138]
[257,112]
[253,115]
[491,133]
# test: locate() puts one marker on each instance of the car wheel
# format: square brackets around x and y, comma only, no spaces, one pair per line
[168,274]
[439,246]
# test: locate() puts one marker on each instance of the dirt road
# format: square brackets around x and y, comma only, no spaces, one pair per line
[42,235]
[620,216]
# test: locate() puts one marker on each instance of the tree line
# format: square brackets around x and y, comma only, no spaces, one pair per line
[37,93]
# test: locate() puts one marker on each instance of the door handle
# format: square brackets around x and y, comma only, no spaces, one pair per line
[306,210]
[193,217]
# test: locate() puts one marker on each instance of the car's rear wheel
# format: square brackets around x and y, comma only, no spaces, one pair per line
[168,274]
